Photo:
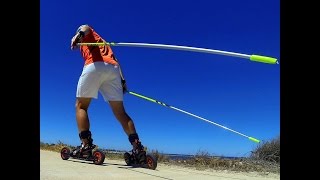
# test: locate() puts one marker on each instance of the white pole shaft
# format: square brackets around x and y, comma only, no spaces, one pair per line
[257,58]
[184,48]
[208,121]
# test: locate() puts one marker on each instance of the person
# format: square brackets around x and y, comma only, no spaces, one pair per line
[101,73]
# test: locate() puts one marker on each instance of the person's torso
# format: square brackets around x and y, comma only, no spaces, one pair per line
[93,54]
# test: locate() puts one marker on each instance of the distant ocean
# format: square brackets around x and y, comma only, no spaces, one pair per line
[175,156]
[185,157]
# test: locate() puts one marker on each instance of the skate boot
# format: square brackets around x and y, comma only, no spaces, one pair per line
[138,156]
[86,147]
[138,151]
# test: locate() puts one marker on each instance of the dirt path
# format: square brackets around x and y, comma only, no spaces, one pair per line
[52,167]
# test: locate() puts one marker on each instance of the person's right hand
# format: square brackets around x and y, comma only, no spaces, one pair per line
[124,86]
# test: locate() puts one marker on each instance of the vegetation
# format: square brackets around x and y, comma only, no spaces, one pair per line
[268,151]
[265,158]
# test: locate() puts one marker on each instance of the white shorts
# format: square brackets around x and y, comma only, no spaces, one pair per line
[100,77]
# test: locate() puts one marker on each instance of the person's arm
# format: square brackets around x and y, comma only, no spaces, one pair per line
[81,32]
[121,74]
[123,80]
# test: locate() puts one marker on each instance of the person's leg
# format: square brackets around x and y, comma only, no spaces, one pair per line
[129,128]
[112,92]
[88,85]
[82,105]
[121,115]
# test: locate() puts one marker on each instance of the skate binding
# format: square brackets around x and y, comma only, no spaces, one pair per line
[138,157]
[85,152]
[97,156]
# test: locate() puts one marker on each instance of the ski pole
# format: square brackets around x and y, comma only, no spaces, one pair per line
[253,57]
[172,107]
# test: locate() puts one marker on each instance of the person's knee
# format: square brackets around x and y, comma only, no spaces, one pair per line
[77,105]
[81,105]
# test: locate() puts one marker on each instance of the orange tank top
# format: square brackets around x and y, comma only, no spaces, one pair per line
[93,54]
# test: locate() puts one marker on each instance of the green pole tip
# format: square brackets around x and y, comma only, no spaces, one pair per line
[254,139]
[263,59]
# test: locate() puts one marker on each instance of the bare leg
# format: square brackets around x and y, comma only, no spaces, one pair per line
[128,126]
[83,122]
[121,115]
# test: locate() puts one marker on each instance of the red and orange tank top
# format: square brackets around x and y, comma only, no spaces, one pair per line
[93,54]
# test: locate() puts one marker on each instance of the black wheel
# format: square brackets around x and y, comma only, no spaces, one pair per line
[127,158]
[98,157]
[151,162]
[65,153]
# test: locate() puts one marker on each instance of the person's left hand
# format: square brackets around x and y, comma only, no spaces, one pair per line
[73,43]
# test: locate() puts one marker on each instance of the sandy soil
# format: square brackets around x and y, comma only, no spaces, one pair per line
[52,167]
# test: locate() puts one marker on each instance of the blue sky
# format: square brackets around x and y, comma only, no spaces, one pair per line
[237,93]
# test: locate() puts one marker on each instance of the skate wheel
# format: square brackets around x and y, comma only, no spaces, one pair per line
[98,157]
[65,153]
[151,162]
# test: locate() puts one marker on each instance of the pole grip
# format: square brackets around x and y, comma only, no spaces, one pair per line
[263,59]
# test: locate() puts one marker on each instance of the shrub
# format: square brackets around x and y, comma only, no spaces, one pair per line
[160,157]
[268,151]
